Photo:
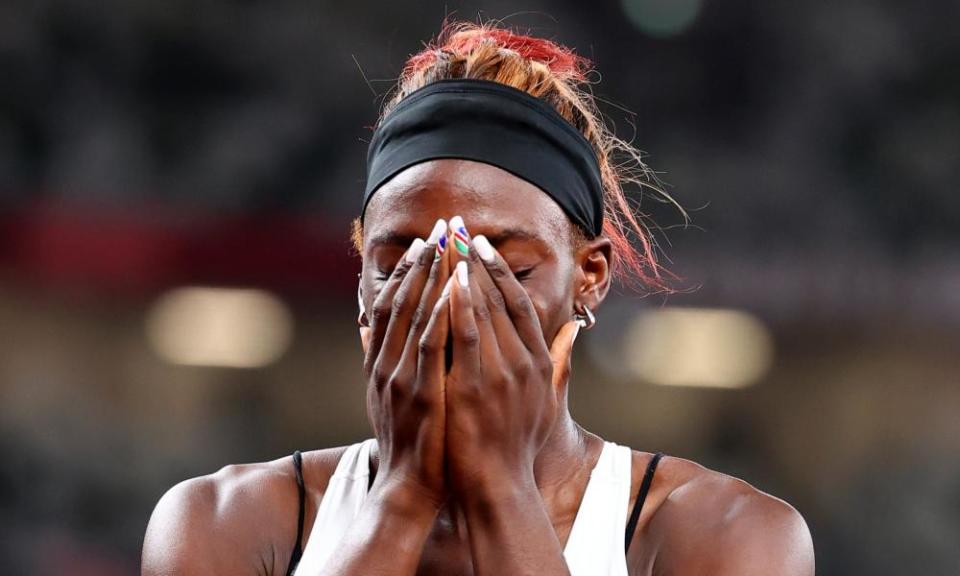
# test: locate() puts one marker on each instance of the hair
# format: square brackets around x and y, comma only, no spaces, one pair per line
[557,75]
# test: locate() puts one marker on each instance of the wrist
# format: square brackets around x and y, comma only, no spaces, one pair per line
[406,499]
[496,504]
[497,486]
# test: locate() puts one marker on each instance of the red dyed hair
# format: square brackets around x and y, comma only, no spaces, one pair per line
[556,74]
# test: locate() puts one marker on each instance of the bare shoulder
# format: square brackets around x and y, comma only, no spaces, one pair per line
[241,519]
[704,521]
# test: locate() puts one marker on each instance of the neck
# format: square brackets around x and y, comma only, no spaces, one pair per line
[568,454]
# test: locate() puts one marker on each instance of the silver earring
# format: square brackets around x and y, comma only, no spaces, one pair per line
[586,318]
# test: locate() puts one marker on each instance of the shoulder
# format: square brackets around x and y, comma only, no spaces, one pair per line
[241,519]
[704,521]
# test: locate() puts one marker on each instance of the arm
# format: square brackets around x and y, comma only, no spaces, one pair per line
[765,536]
[388,535]
[723,526]
[191,533]
[510,532]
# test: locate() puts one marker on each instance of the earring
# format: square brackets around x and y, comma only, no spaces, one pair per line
[585,318]
[362,317]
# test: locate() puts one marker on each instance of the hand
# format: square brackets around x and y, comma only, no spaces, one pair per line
[404,365]
[502,388]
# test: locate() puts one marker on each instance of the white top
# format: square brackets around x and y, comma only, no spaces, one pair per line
[594,548]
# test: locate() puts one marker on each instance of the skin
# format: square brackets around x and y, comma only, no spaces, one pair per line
[438,415]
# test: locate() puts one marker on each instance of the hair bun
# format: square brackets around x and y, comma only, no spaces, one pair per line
[462,38]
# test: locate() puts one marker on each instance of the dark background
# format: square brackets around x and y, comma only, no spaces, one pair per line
[150,145]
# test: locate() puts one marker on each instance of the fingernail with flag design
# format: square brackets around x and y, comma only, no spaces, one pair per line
[439,236]
[461,238]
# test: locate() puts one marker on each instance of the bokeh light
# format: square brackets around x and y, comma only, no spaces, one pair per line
[712,348]
[662,18]
[224,327]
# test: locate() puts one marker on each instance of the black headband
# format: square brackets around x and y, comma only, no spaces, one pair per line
[496,124]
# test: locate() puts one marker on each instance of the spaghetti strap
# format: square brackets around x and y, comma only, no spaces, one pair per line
[641,496]
[298,547]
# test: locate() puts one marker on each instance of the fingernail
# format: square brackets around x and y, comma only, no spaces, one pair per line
[441,247]
[415,249]
[446,288]
[439,236]
[462,274]
[484,249]
[438,228]
[461,238]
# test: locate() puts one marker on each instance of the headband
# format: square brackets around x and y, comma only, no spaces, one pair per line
[496,124]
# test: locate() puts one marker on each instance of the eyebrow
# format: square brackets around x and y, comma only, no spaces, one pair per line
[392,238]
[512,234]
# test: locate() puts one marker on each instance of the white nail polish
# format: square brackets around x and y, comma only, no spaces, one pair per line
[415,249]
[439,228]
[462,274]
[484,249]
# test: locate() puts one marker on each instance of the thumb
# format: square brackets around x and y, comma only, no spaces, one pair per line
[561,351]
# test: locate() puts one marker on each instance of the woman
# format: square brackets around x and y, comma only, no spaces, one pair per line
[493,222]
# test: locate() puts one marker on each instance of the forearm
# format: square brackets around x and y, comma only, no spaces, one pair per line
[510,531]
[386,538]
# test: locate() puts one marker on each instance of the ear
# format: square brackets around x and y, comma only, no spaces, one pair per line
[592,275]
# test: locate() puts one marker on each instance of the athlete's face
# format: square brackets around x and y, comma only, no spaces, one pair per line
[524,224]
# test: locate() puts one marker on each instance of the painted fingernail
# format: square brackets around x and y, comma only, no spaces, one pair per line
[461,238]
[415,249]
[446,288]
[462,274]
[439,235]
[484,249]
[441,247]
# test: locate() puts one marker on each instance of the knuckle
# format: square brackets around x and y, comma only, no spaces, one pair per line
[482,313]
[380,313]
[380,377]
[399,386]
[434,271]
[503,379]
[427,346]
[402,268]
[498,271]
[468,336]
[523,368]
[426,257]
[494,299]
[522,307]
[544,366]
[420,317]
[397,304]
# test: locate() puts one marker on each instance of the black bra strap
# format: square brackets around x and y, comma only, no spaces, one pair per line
[298,548]
[641,496]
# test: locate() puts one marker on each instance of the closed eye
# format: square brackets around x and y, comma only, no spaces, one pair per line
[382,275]
[522,274]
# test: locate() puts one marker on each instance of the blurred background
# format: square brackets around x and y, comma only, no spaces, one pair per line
[178,290]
